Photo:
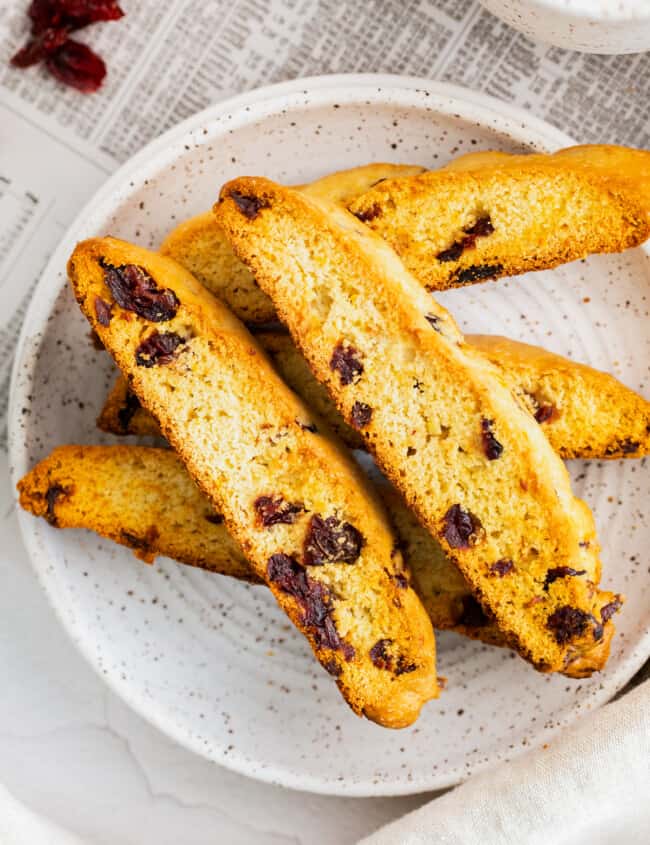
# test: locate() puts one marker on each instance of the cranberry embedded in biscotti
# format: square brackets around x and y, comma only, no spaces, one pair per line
[272,510]
[568,622]
[346,362]
[134,289]
[331,541]
[158,349]
[560,572]
[461,528]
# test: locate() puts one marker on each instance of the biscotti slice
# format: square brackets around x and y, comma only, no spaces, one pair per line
[139,497]
[441,420]
[489,215]
[201,247]
[583,412]
[306,518]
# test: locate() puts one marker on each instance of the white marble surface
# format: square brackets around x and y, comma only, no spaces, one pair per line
[69,749]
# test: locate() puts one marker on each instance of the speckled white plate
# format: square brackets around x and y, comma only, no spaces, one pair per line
[212,662]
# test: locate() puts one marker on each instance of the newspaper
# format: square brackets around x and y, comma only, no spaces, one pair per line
[170,58]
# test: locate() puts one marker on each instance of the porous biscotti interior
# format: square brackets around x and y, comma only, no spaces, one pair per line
[377,340]
[254,448]
[502,220]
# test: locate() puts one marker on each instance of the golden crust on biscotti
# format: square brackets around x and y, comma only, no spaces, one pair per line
[137,496]
[441,420]
[583,412]
[489,215]
[299,506]
[202,248]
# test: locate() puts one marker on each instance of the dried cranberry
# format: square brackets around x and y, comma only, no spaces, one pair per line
[480,229]
[52,21]
[472,614]
[560,572]
[74,14]
[379,654]
[159,348]
[369,214]
[361,414]
[314,599]
[502,567]
[452,253]
[81,13]
[346,362]
[382,658]
[127,411]
[214,518]
[134,289]
[461,527]
[271,511]
[39,47]
[103,311]
[78,66]
[544,413]
[476,273]
[608,610]
[568,622]
[330,541]
[54,493]
[250,207]
[491,446]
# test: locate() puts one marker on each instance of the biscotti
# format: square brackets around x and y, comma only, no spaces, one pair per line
[308,521]
[584,413]
[201,247]
[488,215]
[137,496]
[440,419]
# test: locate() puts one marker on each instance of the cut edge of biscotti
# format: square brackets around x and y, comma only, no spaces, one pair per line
[351,306]
[194,365]
[488,215]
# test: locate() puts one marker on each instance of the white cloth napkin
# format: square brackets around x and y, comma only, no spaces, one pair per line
[21,826]
[590,786]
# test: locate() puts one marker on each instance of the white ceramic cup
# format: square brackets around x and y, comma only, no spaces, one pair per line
[589,26]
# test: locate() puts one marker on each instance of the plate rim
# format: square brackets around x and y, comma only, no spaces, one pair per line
[503,117]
